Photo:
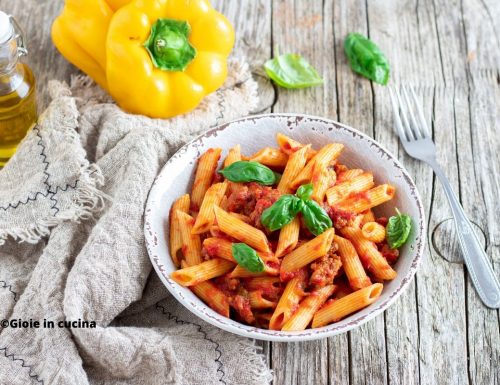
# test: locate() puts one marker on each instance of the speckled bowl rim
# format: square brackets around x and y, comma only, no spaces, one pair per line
[207,314]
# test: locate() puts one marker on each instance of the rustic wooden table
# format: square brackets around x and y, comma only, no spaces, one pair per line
[438,332]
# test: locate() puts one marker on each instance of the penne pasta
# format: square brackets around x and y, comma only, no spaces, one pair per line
[322,159]
[308,281]
[341,191]
[294,292]
[307,308]
[373,231]
[368,217]
[206,217]
[205,172]
[219,248]
[371,258]
[181,204]
[257,301]
[348,174]
[234,155]
[289,237]
[212,296]
[338,309]
[191,248]
[352,264]
[267,284]
[289,146]
[241,217]
[193,275]
[321,182]
[242,231]
[363,201]
[308,252]
[241,272]
[294,166]
[272,157]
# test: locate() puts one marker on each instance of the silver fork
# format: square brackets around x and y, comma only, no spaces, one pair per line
[417,142]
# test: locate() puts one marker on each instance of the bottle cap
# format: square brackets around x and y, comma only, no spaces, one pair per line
[6,29]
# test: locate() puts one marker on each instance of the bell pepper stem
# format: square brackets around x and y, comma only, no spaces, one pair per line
[168,45]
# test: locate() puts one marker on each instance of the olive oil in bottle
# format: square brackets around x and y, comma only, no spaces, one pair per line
[18,111]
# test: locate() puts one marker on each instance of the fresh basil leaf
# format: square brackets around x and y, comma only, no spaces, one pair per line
[278,176]
[398,229]
[316,219]
[292,71]
[248,171]
[366,58]
[305,191]
[281,212]
[247,257]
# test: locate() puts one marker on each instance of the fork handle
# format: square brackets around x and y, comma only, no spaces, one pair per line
[475,258]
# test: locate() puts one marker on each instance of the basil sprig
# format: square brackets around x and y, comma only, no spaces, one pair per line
[398,229]
[249,171]
[288,206]
[366,58]
[292,71]
[247,258]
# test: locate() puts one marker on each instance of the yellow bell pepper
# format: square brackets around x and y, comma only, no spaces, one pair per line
[164,56]
[155,57]
[80,31]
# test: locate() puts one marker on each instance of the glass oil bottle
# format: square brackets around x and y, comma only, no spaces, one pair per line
[18,110]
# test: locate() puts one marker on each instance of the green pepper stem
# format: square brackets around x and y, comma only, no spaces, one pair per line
[168,45]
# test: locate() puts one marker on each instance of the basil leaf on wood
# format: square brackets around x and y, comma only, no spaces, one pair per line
[247,258]
[292,71]
[366,58]
[281,212]
[249,171]
[315,217]
[398,229]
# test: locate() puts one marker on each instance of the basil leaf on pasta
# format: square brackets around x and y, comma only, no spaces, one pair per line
[249,171]
[281,212]
[398,230]
[247,258]
[305,191]
[315,217]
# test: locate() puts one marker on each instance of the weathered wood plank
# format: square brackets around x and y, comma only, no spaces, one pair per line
[443,350]
[306,28]
[479,159]
[397,38]
[252,24]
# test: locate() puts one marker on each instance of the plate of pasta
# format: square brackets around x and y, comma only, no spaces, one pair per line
[285,227]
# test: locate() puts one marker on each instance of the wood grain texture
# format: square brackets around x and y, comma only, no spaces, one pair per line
[438,332]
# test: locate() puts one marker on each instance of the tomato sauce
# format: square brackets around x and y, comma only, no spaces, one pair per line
[382,220]
[340,218]
[242,305]
[391,255]
[286,276]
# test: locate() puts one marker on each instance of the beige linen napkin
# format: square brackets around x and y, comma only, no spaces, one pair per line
[71,229]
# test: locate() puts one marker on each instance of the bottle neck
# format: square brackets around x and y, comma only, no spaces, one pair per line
[9,56]
[11,70]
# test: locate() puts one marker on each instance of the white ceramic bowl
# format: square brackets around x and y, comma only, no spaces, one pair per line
[256,132]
